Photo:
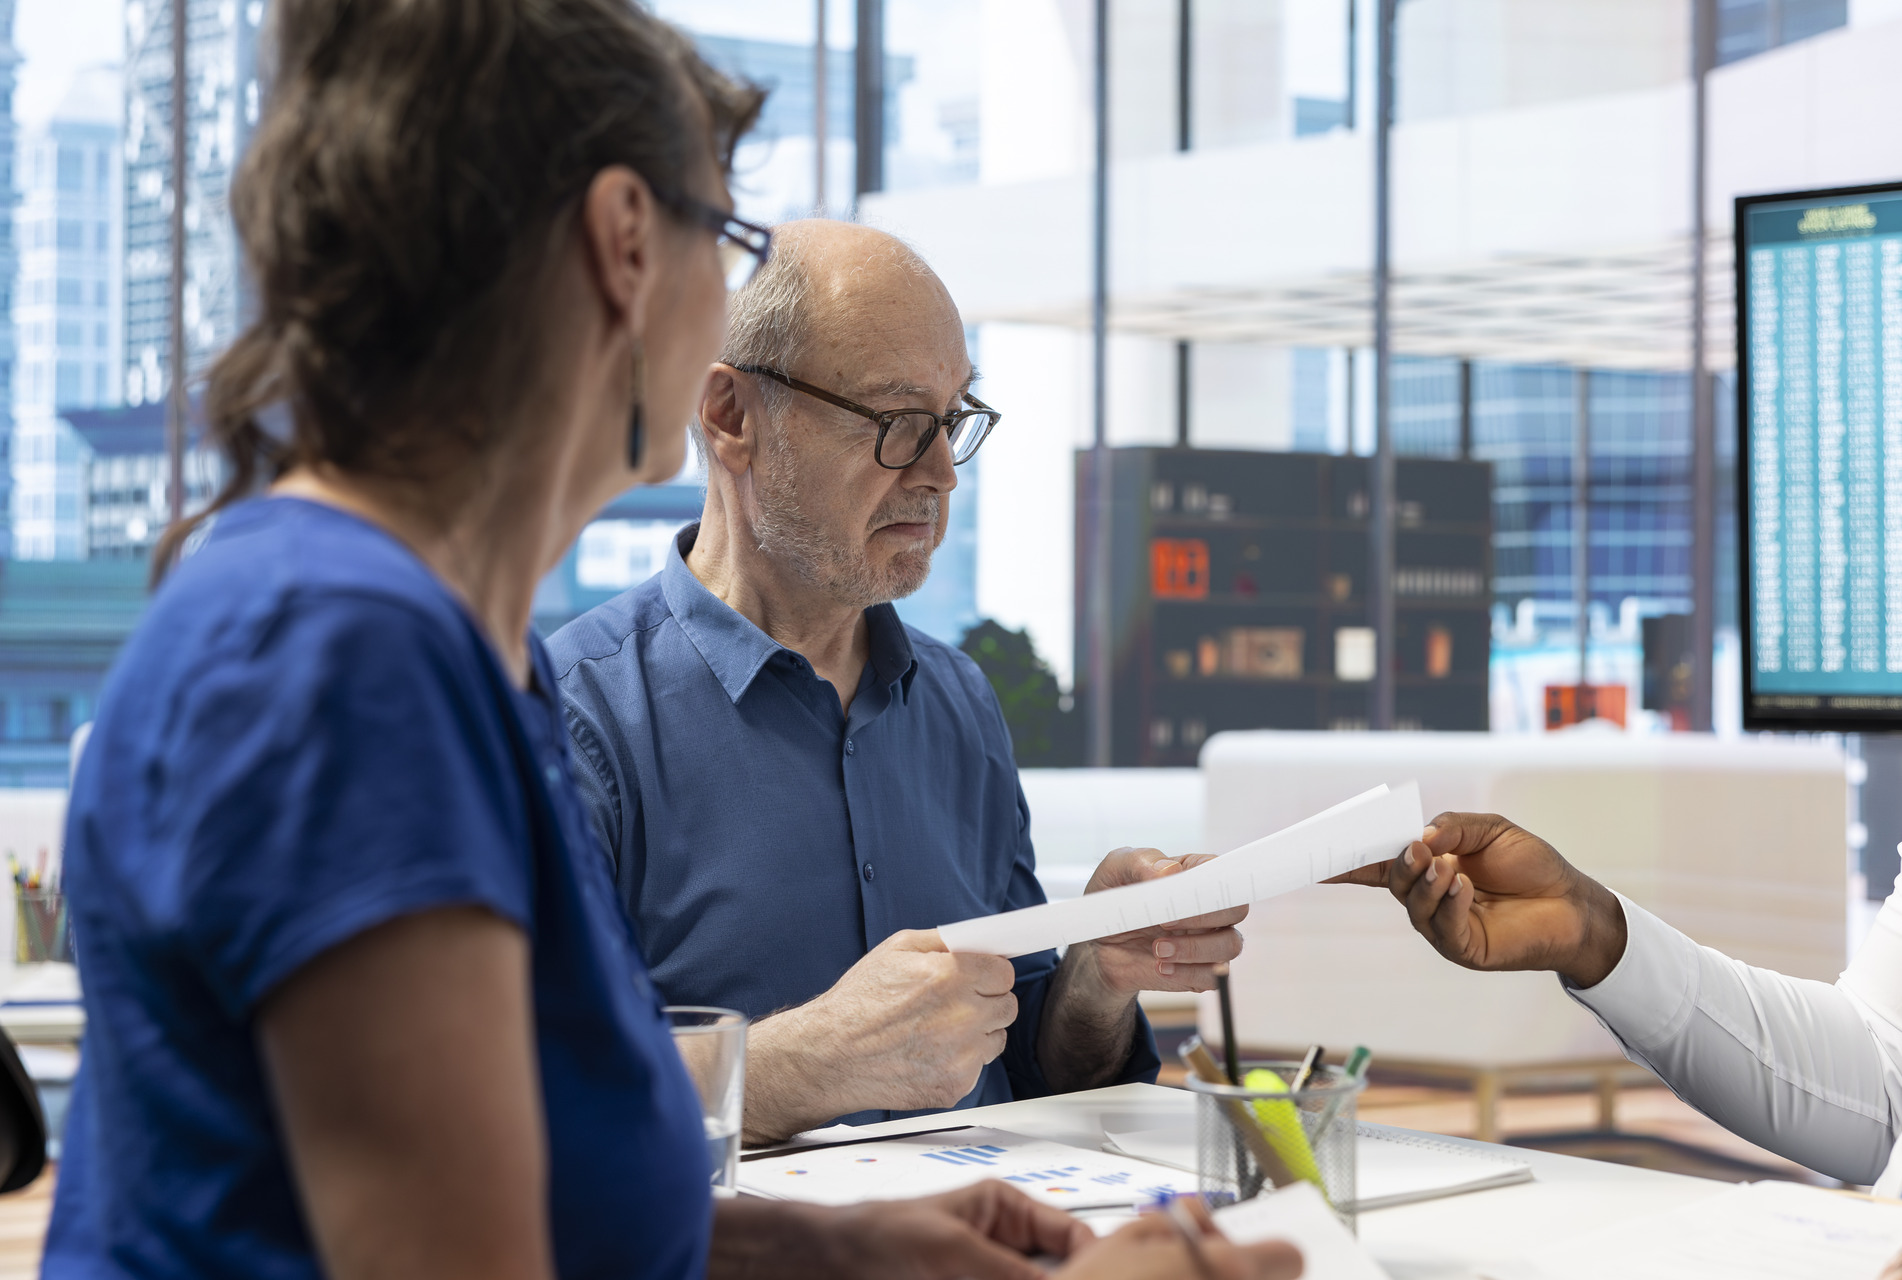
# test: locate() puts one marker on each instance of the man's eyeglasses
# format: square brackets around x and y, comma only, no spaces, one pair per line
[743,246]
[903,434]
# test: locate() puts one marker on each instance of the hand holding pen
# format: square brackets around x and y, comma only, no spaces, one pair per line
[1181,1241]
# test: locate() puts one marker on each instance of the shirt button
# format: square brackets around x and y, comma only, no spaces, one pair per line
[553,774]
[868,872]
[848,746]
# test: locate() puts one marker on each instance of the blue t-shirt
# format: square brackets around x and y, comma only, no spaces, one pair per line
[306,738]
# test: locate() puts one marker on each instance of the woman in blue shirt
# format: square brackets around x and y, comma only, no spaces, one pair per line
[361,1002]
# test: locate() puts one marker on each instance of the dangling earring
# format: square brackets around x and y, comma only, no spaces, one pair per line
[636,424]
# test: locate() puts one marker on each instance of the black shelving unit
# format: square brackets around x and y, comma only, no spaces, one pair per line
[1239,595]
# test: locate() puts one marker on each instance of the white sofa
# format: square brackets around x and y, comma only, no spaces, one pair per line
[1078,815]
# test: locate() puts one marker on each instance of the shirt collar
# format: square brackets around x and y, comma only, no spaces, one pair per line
[735,650]
[893,661]
[732,647]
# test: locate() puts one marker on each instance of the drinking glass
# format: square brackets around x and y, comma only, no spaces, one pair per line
[712,1042]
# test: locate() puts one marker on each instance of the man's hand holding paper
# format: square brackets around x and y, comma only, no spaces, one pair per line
[1179,955]
[908,1027]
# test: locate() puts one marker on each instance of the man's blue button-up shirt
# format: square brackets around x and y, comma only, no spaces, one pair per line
[762,839]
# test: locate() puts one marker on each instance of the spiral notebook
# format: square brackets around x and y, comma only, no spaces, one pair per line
[1393,1166]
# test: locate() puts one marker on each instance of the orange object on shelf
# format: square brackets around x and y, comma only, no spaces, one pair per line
[1567,704]
[1179,568]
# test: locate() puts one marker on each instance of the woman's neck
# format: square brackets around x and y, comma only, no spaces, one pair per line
[490,548]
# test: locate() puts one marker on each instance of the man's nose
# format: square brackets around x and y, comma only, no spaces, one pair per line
[933,470]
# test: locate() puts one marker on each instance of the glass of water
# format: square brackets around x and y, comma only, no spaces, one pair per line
[712,1042]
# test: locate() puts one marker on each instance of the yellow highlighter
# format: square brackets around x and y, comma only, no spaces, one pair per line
[1281,1125]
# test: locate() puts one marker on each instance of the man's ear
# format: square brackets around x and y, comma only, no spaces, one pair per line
[729,420]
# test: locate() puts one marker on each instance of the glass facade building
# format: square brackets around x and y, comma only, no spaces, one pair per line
[221,59]
[66,308]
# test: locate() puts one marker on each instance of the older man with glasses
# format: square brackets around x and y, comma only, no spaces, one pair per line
[794,788]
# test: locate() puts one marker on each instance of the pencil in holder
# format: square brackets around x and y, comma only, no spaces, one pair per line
[1260,1135]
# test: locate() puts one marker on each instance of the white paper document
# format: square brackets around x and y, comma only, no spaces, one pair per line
[1765,1231]
[1300,1216]
[929,1163]
[1371,827]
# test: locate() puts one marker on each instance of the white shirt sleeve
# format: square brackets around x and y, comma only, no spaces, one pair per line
[1806,1069]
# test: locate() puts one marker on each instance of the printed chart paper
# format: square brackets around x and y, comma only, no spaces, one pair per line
[930,1163]
[1371,827]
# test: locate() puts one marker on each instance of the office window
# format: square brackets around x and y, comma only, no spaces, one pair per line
[103,169]
[72,169]
[72,233]
[66,384]
[1749,27]
[71,333]
[102,237]
[99,294]
[1425,407]
[71,293]
[933,92]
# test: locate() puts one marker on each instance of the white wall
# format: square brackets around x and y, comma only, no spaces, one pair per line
[1869,13]
[1033,117]
[1242,397]
[1458,57]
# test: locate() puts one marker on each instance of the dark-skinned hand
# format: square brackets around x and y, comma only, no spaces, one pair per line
[1491,895]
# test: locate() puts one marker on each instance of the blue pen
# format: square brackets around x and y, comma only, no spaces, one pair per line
[1191,1232]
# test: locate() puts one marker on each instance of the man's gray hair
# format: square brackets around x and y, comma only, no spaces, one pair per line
[769,323]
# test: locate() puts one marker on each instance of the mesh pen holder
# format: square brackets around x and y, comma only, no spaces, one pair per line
[41,930]
[1253,1139]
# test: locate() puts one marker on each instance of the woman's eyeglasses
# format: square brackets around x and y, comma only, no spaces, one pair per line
[743,246]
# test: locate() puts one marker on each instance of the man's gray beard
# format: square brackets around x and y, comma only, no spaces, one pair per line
[786,533]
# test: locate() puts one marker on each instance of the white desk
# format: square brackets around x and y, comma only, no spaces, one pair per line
[1445,1239]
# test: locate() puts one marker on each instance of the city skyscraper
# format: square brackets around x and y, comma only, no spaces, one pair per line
[9,267]
[66,307]
[222,98]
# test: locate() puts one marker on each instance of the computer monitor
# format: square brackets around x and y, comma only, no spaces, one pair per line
[1819,416]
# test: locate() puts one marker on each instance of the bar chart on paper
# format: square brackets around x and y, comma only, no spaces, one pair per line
[926,1164]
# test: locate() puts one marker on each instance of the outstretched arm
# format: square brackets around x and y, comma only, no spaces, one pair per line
[1797,1066]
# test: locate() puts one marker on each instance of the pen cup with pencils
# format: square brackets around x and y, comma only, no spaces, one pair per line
[40,928]
[1261,1134]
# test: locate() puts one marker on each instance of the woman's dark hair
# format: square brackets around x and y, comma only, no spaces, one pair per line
[416,169]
